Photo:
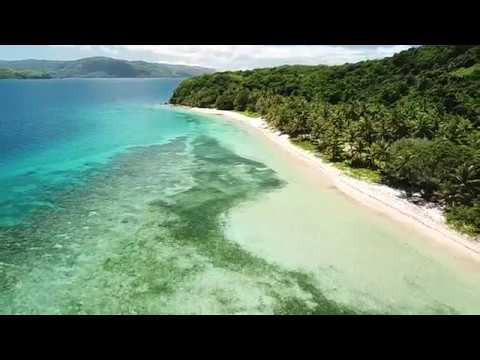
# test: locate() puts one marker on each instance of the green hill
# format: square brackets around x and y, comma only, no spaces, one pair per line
[6,73]
[95,67]
[413,118]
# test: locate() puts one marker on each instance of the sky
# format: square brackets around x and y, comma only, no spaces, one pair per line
[219,57]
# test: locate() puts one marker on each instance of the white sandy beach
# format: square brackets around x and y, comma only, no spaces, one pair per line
[427,219]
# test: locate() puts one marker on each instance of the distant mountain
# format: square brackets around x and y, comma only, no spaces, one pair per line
[95,67]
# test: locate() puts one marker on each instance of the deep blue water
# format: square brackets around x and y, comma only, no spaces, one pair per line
[53,131]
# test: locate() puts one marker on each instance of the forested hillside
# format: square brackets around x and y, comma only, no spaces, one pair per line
[95,67]
[414,118]
[23,74]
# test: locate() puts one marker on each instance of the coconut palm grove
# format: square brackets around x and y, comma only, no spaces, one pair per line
[411,121]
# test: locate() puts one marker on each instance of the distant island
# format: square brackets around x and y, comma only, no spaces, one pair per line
[94,67]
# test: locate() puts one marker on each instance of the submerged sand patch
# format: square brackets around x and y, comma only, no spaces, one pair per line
[145,236]
[426,219]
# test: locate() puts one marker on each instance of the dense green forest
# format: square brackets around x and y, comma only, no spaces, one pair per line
[94,67]
[414,118]
[23,74]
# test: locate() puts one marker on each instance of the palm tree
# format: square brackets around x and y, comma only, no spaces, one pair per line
[464,186]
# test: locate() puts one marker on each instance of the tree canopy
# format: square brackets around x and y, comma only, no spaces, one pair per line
[413,117]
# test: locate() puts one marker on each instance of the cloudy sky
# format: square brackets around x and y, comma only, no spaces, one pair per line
[220,57]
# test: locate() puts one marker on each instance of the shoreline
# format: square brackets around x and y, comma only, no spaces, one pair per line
[426,218]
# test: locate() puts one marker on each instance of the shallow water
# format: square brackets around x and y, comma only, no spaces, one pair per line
[141,208]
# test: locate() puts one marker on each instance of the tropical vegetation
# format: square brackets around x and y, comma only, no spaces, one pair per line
[413,118]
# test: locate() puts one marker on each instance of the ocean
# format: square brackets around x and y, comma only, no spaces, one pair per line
[112,202]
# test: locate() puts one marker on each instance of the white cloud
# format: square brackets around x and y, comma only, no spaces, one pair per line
[226,57]
[109,49]
[80,47]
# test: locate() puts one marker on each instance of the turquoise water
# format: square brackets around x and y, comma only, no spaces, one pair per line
[112,203]
[53,131]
